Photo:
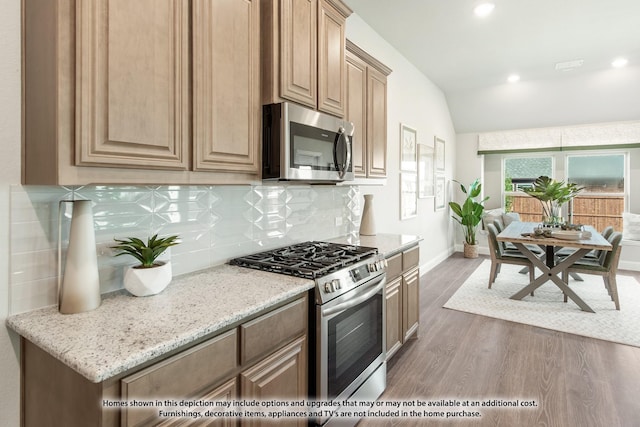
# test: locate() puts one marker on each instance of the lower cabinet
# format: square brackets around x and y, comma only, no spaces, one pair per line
[402,298]
[282,376]
[260,359]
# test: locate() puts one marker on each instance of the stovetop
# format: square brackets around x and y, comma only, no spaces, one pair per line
[310,260]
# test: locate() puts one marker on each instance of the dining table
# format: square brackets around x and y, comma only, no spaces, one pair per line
[551,240]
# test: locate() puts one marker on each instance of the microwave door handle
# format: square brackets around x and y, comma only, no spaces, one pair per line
[342,168]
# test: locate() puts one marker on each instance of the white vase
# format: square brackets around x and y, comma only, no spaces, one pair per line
[143,282]
[79,288]
[367,223]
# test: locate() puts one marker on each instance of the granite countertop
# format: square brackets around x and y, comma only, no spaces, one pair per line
[387,244]
[126,331]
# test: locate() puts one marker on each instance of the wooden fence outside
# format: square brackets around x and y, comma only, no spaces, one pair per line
[596,210]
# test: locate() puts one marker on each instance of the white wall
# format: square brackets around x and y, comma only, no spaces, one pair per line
[9,174]
[414,100]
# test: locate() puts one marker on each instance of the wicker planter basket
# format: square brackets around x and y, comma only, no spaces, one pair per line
[470,251]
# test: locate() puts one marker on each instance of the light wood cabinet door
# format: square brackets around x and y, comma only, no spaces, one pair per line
[331,59]
[356,111]
[299,51]
[282,376]
[132,83]
[226,104]
[376,123]
[180,376]
[394,332]
[410,303]
[225,392]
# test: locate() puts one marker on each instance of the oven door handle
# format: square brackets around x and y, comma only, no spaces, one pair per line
[357,300]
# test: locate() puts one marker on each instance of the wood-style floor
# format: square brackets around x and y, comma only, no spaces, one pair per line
[576,381]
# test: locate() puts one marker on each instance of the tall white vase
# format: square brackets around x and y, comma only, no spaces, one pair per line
[79,289]
[368,223]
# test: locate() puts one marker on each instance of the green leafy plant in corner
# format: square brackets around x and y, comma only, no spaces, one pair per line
[469,214]
[552,195]
[146,253]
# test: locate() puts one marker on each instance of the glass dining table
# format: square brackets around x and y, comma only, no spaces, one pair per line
[521,234]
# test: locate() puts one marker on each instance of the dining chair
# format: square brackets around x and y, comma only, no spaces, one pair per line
[500,256]
[606,266]
[510,246]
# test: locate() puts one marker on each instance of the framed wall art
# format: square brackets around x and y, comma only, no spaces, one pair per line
[408,195]
[408,147]
[425,172]
[439,154]
[441,192]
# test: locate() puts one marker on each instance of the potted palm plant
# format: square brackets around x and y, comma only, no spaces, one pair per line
[552,195]
[469,215]
[151,276]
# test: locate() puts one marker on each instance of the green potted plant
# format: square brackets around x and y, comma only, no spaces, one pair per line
[552,195]
[151,276]
[469,215]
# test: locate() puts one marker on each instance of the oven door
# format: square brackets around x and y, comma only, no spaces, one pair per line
[350,340]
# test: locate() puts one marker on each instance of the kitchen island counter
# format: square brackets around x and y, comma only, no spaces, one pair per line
[126,331]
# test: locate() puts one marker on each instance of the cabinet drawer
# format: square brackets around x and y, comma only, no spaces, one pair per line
[263,335]
[410,258]
[184,374]
[394,267]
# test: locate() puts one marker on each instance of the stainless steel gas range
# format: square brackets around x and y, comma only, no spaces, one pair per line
[348,317]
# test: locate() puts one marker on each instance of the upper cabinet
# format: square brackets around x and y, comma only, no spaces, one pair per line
[146,91]
[366,107]
[303,47]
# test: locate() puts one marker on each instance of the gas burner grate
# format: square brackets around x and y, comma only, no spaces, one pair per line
[309,260]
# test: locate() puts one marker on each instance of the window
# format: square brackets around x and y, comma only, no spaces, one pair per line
[602,201]
[597,173]
[520,172]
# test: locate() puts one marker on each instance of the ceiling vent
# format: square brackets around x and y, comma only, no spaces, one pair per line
[569,65]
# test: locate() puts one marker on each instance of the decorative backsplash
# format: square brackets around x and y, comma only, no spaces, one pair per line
[215,223]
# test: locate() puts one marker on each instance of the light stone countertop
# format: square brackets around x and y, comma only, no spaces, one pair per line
[387,244]
[127,331]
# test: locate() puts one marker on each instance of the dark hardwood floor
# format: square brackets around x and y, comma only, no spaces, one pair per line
[575,381]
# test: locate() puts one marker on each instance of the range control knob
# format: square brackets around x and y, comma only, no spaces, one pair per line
[335,283]
[327,287]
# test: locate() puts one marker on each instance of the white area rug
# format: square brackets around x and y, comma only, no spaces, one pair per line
[547,310]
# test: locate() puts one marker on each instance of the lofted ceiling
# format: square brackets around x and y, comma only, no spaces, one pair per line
[464,54]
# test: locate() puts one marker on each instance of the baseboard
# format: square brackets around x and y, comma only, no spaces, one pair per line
[426,267]
[482,250]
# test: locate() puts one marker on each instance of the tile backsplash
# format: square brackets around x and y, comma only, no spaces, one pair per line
[215,223]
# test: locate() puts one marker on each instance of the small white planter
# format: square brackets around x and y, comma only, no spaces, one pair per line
[143,282]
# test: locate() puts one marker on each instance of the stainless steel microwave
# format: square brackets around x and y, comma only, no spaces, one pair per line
[300,144]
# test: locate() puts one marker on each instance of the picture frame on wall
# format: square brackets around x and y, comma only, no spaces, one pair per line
[425,172]
[408,148]
[439,147]
[440,192]
[408,195]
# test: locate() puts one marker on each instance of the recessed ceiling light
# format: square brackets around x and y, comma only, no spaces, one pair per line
[513,78]
[484,9]
[619,62]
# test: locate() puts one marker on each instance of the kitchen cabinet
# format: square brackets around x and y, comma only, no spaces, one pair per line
[303,46]
[366,107]
[403,298]
[281,376]
[151,91]
[242,361]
